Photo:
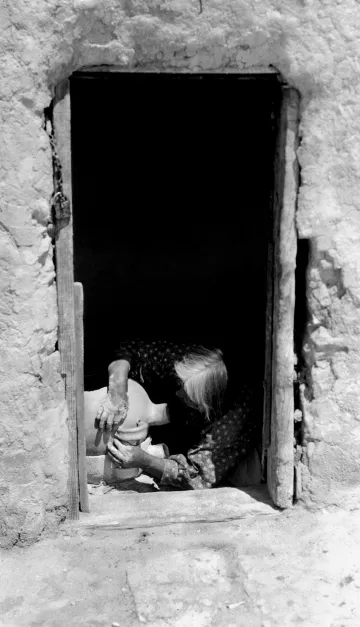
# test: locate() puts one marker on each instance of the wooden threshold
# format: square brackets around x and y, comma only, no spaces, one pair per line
[131,510]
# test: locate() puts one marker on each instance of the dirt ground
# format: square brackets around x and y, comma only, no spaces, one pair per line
[266,569]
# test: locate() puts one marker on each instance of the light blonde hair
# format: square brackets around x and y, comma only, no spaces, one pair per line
[204,378]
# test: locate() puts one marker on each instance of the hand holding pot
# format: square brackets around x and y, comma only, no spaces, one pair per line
[125,456]
[112,412]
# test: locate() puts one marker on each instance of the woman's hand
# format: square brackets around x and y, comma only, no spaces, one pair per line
[111,414]
[125,456]
[135,457]
[113,411]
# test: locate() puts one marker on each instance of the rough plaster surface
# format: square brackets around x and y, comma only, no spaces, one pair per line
[315,46]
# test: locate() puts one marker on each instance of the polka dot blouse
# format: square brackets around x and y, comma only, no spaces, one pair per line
[214,446]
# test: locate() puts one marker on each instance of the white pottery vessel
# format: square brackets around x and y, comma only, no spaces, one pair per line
[142,412]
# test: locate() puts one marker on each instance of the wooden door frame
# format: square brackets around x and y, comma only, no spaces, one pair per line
[278,425]
[69,298]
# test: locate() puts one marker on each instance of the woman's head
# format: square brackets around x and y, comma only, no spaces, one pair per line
[203,376]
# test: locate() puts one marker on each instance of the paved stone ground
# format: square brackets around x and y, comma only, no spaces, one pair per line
[267,569]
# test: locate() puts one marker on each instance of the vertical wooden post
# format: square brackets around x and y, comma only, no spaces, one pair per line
[79,335]
[65,281]
[281,449]
[267,387]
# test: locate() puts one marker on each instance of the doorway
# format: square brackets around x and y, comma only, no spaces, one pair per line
[172,192]
[175,217]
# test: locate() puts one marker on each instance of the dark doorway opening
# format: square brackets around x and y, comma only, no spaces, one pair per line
[172,193]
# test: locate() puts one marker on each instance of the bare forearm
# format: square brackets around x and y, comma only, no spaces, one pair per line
[151,465]
[119,368]
[118,378]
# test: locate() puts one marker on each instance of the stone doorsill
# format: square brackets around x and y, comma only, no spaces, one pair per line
[129,510]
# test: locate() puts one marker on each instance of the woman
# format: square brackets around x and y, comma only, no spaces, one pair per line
[211,428]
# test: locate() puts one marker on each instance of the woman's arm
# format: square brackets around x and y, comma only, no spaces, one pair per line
[118,378]
[151,465]
[135,457]
[114,409]
[205,465]
[219,451]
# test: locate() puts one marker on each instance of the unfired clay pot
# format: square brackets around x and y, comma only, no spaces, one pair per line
[142,412]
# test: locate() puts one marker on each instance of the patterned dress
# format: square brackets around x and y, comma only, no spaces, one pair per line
[202,451]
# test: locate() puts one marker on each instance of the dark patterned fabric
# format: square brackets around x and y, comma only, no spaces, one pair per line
[152,364]
[221,446]
[202,451]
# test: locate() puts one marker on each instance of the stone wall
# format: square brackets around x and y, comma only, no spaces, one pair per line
[315,46]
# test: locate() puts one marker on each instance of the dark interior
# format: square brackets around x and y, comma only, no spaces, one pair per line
[172,187]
